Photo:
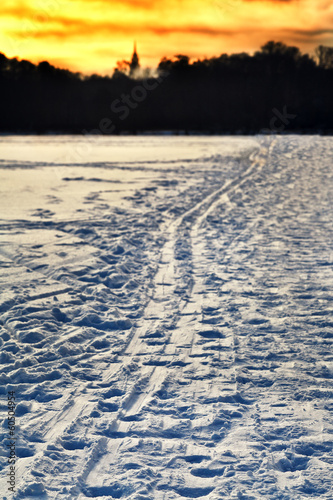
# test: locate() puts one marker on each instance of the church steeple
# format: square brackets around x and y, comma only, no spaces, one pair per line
[134,64]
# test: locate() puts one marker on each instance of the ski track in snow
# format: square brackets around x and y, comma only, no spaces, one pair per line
[169,334]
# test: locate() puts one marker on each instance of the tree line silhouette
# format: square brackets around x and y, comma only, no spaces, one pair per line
[276,89]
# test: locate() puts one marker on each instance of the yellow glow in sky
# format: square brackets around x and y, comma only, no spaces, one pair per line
[92,35]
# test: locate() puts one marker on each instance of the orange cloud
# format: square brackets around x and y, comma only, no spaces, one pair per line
[91,35]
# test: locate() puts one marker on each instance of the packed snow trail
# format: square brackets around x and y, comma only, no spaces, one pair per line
[178,347]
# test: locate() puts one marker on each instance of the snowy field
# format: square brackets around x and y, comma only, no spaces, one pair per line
[166,317]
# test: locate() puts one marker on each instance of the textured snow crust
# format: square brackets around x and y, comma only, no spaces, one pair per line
[166,317]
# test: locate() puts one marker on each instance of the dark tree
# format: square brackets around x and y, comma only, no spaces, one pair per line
[224,94]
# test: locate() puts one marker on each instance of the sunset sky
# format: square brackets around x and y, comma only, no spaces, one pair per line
[92,35]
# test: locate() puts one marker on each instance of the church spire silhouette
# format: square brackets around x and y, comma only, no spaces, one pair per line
[134,64]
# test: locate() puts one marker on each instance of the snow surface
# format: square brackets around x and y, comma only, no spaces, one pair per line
[166,316]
